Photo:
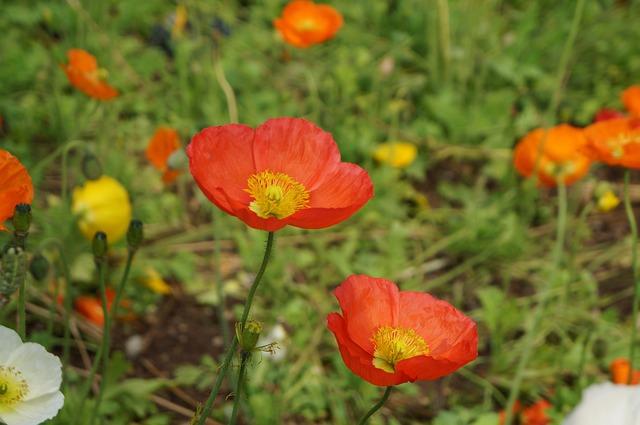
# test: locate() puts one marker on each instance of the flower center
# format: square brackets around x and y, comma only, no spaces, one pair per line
[617,143]
[13,387]
[276,195]
[395,344]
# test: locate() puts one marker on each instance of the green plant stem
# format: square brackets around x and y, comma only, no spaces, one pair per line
[538,313]
[67,301]
[123,282]
[206,410]
[244,357]
[22,310]
[376,406]
[106,339]
[220,307]
[634,267]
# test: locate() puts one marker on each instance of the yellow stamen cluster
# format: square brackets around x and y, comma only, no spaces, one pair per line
[617,144]
[13,387]
[276,195]
[395,344]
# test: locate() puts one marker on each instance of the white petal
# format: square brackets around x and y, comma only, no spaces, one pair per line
[609,404]
[35,411]
[9,342]
[41,369]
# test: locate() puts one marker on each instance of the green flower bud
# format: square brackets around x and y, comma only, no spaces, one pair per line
[135,234]
[91,167]
[39,267]
[22,218]
[248,337]
[13,269]
[100,246]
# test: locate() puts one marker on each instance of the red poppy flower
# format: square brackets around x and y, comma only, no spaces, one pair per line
[388,337]
[286,171]
[304,23]
[631,100]
[83,73]
[536,414]
[15,186]
[605,114]
[557,153]
[616,142]
[91,309]
[165,141]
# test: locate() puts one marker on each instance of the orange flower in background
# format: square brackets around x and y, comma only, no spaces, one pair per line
[84,74]
[304,23]
[536,414]
[15,186]
[285,172]
[620,369]
[557,153]
[91,307]
[163,144]
[631,100]
[615,142]
[388,337]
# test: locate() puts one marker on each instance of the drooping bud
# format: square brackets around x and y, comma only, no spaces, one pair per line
[91,166]
[248,337]
[39,267]
[100,246]
[135,234]
[13,269]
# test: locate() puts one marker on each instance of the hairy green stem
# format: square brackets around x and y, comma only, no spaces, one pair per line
[634,267]
[538,313]
[376,406]
[206,410]
[22,310]
[244,357]
[106,339]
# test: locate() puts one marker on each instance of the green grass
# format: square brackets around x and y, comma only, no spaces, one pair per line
[464,86]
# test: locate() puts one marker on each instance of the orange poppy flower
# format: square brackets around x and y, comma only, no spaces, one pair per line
[388,337]
[631,100]
[557,153]
[286,171]
[536,414]
[15,186]
[83,73]
[620,369]
[304,23]
[616,142]
[91,307]
[165,141]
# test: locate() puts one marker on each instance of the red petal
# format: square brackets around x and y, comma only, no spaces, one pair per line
[357,360]
[367,303]
[221,159]
[298,148]
[15,185]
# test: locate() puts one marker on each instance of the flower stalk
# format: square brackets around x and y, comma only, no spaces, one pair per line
[376,406]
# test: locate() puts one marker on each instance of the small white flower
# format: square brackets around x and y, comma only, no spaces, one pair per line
[607,404]
[30,379]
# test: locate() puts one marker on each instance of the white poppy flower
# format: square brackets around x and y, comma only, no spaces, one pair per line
[607,404]
[30,379]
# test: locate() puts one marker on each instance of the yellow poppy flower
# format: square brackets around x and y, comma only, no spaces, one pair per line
[608,201]
[155,282]
[102,205]
[396,154]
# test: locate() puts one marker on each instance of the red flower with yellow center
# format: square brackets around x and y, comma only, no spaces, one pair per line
[559,153]
[388,337]
[286,171]
[15,186]
[616,142]
[304,23]
[84,74]
[631,100]
[163,144]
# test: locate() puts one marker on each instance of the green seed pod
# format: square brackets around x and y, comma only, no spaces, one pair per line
[39,267]
[13,270]
[100,246]
[91,167]
[135,234]
[248,337]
